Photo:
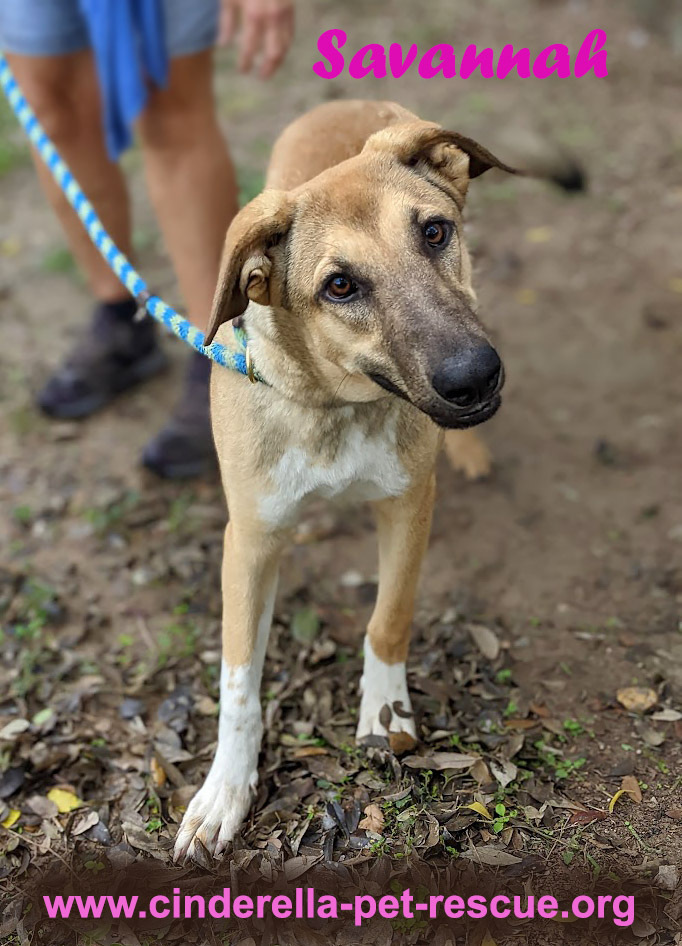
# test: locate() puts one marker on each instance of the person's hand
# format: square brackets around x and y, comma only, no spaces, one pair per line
[267,28]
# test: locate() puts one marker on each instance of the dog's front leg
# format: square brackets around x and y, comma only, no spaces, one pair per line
[403,527]
[249,580]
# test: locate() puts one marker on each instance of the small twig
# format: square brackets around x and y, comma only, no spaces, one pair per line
[148,639]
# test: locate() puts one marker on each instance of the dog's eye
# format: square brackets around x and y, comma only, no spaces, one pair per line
[437,233]
[340,288]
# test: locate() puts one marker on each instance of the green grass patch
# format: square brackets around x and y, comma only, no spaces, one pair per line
[36,610]
[59,260]
[177,640]
[105,518]
[14,151]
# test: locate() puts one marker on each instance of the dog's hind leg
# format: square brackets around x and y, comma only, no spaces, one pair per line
[468,454]
[249,579]
[403,524]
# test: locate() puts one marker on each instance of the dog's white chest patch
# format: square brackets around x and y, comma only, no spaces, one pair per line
[364,468]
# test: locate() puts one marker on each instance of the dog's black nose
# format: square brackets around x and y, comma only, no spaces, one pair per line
[470,377]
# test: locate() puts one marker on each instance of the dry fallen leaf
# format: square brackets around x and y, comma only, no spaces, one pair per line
[587,816]
[12,818]
[158,774]
[11,780]
[637,699]
[492,856]
[481,773]
[668,877]
[521,723]
[504,771]
[401,742]
[439,761]
[631,786]
[485,640]
[64,800]
[480,809]
[373,820]
[642,929]
[42,806]
[652,737]
[488,940]
[13,729]
[179,800]
[297,866]
[667,715]
[84,822]
[306,752]
[207,707]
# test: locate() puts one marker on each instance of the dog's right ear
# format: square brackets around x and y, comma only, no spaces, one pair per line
[246,265]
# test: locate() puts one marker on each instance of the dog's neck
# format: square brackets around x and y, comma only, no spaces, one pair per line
[282,356]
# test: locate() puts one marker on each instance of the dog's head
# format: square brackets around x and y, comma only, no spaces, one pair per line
[368,261]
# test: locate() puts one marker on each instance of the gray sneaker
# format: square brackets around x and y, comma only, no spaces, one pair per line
[115,354]
[184,447]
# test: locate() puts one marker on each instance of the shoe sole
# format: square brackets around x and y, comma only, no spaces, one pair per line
[141,371]
[189,470]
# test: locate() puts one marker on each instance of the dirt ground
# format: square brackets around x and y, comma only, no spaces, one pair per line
[549,589]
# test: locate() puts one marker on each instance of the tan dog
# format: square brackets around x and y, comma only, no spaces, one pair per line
[355,284]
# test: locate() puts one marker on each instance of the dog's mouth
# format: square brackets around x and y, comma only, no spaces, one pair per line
[448,417]
[452,420]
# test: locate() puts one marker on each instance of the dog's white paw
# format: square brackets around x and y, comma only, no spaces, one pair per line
[385,706]
[214,816]
[218,809]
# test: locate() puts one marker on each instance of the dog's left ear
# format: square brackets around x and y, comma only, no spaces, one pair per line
[247,263]
[452,156]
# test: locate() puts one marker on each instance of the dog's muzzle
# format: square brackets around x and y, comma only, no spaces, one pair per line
[465,388]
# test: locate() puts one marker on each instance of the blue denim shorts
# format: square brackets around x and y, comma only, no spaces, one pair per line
[56,27]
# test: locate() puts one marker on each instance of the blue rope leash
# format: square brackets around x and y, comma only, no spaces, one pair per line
[117,260]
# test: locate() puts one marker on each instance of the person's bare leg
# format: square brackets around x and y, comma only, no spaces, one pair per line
[190,177]
[192,185]
[63,92]
[114,351]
